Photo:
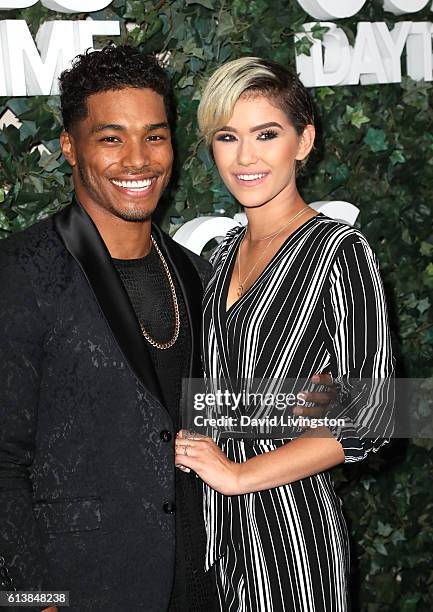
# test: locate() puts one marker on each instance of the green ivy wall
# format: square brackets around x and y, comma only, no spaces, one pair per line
[375,150]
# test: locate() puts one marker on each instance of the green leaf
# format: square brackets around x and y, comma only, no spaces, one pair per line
[423,305]
[380,547]
[303,45]
[356,116]
[410,602]
[384,530]
[406,237]
[209,4]
[135,11]
[416,93]
[50,162]
[375,139]
[397,157]
[397,536]
[318,31]
[190,48]
[185,81]
[18,105]
[426,248]
[323,92]
[226,25]
[429,269]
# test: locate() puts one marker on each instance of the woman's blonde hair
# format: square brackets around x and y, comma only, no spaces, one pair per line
[258,77]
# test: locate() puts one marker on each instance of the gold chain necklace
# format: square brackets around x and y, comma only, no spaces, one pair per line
[155,343]
[241,284]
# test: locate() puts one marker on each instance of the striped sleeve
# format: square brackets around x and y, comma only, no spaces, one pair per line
[358,339]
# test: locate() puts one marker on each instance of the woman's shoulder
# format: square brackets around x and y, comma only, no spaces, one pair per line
[223,247]
[233,233]
[346,247]
[339,233]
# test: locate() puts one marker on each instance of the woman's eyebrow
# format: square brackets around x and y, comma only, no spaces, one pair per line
[262,126]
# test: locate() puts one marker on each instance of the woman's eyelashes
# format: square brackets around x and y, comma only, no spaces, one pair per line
[265,135]
[225,137]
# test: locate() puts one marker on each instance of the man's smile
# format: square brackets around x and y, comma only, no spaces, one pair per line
[134,186]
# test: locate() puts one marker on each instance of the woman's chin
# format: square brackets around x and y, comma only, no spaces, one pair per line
[254,204]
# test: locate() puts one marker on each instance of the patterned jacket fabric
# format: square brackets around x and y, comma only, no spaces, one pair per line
[87,479]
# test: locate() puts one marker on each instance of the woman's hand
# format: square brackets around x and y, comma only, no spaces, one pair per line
[311,453]
[208,461]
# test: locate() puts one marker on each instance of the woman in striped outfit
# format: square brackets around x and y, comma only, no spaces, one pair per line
[293,294]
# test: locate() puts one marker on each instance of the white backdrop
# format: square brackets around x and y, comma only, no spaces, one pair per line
[195,234]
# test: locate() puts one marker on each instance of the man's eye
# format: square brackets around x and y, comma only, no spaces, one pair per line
[267,135]
[225,138]
[110,139]
[155,138]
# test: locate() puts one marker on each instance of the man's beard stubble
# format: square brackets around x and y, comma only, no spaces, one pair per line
[133,216]
[137,216]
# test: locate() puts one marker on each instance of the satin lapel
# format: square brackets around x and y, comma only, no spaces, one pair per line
[219,308]
[86,246]
[192,290]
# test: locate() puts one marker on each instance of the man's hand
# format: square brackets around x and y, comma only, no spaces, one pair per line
[52,609]
[323,399]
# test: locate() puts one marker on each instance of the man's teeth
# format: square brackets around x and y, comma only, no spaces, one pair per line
[133,184]
[250,177]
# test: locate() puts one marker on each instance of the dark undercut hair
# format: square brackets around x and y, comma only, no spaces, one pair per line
[110,69]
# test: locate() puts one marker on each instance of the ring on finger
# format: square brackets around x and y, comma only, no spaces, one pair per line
[185,449]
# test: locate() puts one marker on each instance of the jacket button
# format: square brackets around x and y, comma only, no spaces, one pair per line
[165,435]
[169,507]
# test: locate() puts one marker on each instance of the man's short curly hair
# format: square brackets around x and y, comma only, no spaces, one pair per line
[112,68]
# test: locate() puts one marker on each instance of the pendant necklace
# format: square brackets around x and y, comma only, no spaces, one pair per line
[271,237]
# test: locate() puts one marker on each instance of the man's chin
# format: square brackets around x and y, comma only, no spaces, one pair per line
[132,216]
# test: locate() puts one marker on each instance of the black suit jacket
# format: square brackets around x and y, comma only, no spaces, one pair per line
[86,476]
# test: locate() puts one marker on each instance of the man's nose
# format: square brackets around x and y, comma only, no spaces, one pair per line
[247,153]
[137,154]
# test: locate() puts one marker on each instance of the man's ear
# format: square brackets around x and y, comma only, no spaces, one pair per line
[306,142]
[68,147]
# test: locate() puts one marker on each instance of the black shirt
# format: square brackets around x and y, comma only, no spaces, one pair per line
[147,285]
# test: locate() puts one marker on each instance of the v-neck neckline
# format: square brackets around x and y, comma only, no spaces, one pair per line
[265,269]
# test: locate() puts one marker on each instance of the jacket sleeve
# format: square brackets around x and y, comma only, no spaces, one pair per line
[21,352]
[357,337]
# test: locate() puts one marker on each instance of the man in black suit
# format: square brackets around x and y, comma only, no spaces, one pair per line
[99,321]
